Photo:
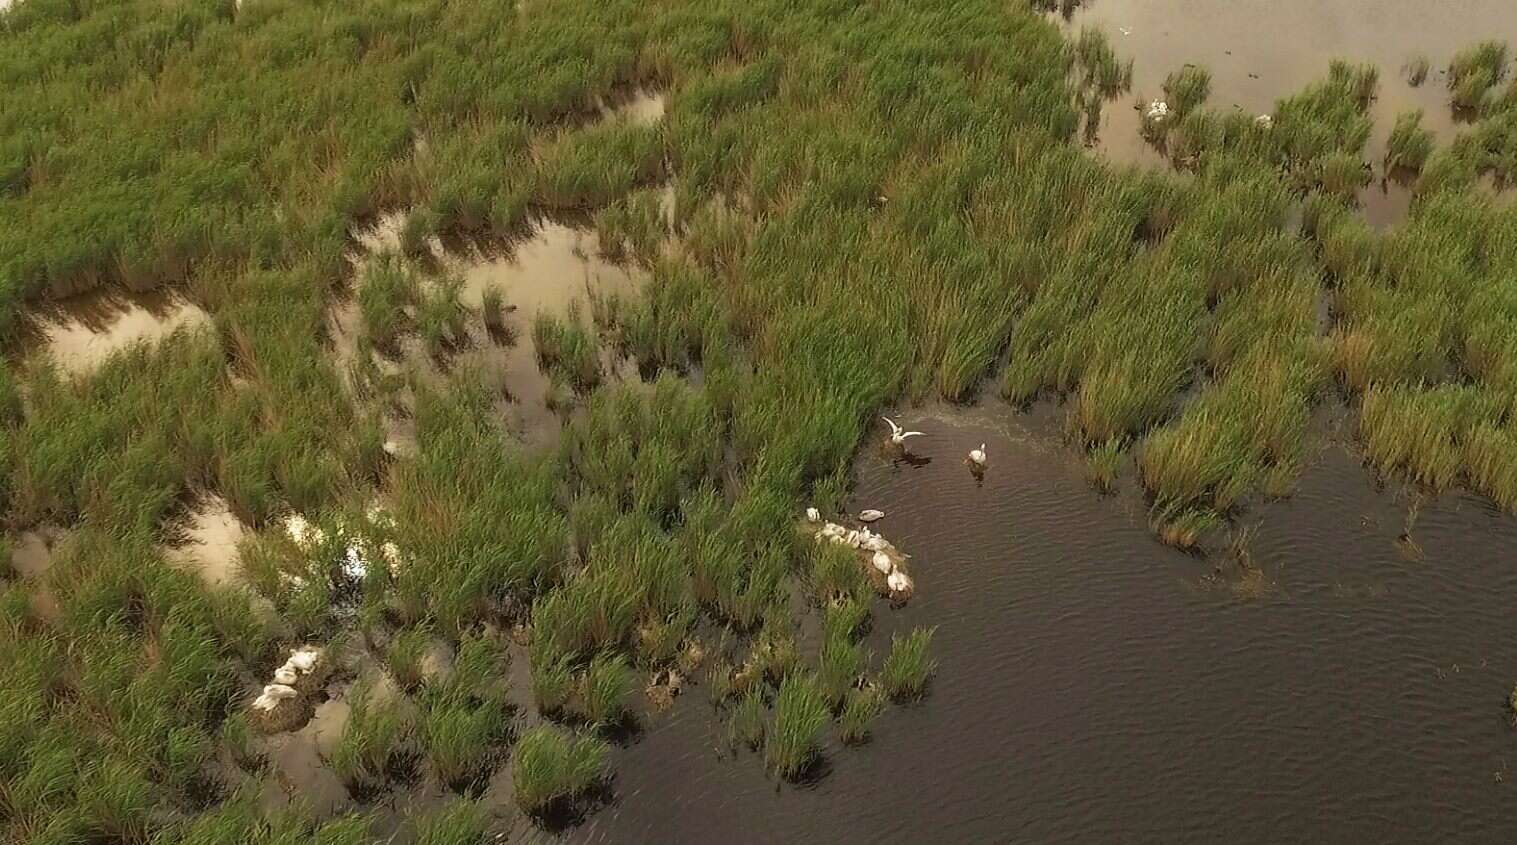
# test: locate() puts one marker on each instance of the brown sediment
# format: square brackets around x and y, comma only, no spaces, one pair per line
[1259,52]
[81,332]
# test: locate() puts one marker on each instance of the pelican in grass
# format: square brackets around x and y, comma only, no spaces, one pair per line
[898,435]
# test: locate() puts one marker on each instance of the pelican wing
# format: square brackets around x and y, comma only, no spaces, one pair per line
[894,429]
[912,434]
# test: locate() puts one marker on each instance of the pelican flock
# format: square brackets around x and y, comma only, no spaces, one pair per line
[875,551]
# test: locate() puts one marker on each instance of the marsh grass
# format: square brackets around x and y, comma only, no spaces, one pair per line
[552,767]
[747,721]
[634,225]
[719,682]
[405,653]
[552,681]
[566,351]
[909,665]
[388,289]
[1416,70]
[461,736]
[842,660]
[237,738]
[861,708]
[1103,463]
[1409,144]
[441,316]
[800,713]
[1187,89]
[373,749]
[493,310]
[1473,71]
[1183,527]
[115,800]
[605,690]
[460,821]
[588,168]
[1104,74]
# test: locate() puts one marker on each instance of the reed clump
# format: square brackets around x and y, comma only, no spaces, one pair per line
[1416,70]
[1410,143]
[909,665]
[861,708]
[552,767]
[374,746]
[1474,71]
[1187,88]
[605,690]
[800,713]
[458,822]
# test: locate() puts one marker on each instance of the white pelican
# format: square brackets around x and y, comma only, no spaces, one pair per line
[302,531]
[871,515]
[304,660]
[279,692]
[353,564]
[286,675]
[876,543]
[977,458]
[897,434]
[898,582]
[813,515]
[883,563]
[1158,111]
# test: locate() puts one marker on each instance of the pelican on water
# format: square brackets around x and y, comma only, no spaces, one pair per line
[871,515]
[977,459]
[897,434]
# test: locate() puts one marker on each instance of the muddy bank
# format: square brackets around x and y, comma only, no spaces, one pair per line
[1258,52]
[1097,686]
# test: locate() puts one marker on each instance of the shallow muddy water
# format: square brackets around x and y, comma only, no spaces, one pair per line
[1096,686]
[209,544]
[1260,51]
[81,332]
[551,271]
[640,106]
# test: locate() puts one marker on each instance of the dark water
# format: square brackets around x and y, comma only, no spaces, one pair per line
[1097,686]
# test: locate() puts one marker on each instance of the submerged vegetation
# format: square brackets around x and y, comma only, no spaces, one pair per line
[838,210]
